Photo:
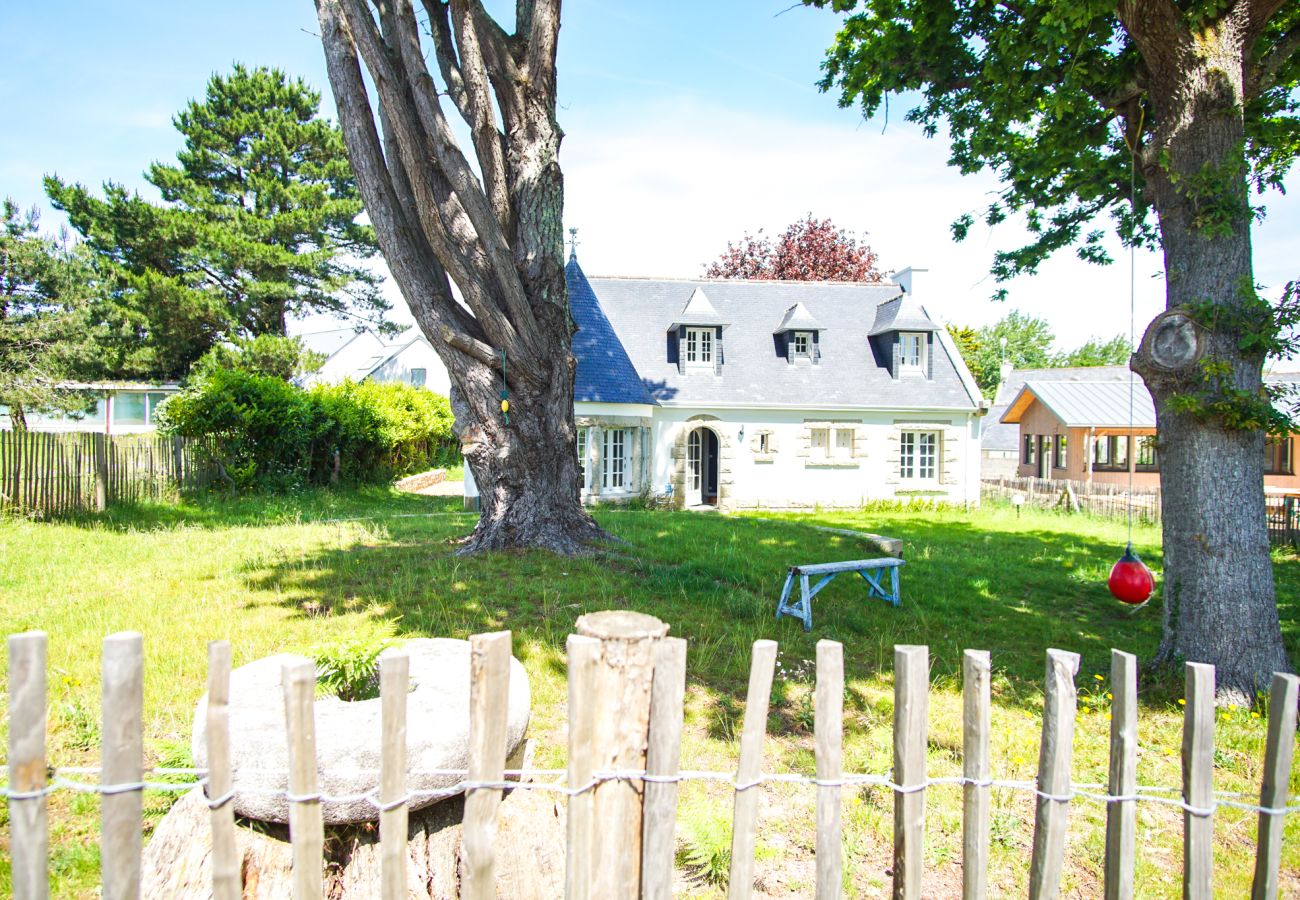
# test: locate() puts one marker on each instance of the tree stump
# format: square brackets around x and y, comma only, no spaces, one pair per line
[178,860]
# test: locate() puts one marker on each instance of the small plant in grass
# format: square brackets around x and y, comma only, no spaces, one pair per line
[705,830]
[349,668]
[78,722]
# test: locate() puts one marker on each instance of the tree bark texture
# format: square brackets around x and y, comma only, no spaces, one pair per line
[496,233]
[1219,598]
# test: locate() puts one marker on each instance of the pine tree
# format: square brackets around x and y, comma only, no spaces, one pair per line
[258,224]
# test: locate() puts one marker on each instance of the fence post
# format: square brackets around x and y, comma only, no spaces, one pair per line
[1198,782]
[225,862]
[828,724]
[489,698]
[620,729]
[584,653]
[662,759]
[28,822]
[976,698]
[101,472]
[911,714]
[394,680]
[740,881]
[1121,815]
[1278,754]
[1060,702]
[306,818]
[122,751]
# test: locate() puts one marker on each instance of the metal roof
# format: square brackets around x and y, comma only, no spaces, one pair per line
[1088,404]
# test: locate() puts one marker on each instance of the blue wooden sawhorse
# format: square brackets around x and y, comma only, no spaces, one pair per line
[869,569]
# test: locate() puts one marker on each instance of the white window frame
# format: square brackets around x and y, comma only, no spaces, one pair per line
[842,443]
[819,441]
[420,379]
[764,442]
[912,359]
[806,339]
[700,347]
[613,461]
[913,466]
[584,439]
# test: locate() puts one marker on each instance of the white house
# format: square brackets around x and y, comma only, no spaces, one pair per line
[739,394]
[363,354]
[117,408]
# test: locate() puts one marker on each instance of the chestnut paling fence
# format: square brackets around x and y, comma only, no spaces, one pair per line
[52,473]
[633,801]
[1281,512]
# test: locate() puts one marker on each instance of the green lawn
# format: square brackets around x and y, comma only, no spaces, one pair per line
[283,574]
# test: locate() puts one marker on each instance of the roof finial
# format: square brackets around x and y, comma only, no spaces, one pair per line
[573,245]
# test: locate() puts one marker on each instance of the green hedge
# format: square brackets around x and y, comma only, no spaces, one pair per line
[272,435]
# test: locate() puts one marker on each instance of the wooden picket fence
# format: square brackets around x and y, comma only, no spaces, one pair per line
[626,688]
[1098,498]
[54,473]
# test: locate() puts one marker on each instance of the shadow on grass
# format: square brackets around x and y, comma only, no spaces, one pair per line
[715,581]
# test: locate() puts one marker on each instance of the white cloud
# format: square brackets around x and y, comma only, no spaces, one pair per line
[660,191]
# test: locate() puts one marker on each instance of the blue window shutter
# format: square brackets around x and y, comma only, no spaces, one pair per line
[717,351]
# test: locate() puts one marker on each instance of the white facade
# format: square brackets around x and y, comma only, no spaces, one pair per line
[365,356]
[798,458]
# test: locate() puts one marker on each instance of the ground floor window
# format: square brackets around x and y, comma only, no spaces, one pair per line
[1148,457]
[919,455]
[1110,453]
[1277,456]
[1027,445]
[582,456]
[1062,458]
[831,443]
[614,459]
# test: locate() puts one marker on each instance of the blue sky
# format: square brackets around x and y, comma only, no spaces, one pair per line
[687,124]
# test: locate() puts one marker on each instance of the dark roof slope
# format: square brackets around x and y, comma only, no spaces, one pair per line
[605,373]
[642,310]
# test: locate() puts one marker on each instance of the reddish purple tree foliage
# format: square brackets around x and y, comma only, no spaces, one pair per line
[809,250]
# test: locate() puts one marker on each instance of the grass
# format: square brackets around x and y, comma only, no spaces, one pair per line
[289,574]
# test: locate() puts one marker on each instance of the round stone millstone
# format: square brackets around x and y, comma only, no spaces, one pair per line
[348,734]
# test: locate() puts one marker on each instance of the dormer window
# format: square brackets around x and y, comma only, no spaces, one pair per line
[798,335]
[699,348]
[912,353]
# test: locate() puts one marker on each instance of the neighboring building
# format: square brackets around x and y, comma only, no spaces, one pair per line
[362,355]
[769,394]
[1079,430]
[117,408]
[1000,450]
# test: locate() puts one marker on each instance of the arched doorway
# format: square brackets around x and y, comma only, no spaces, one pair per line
[702,467]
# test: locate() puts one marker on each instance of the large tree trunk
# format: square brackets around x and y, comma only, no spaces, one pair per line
[496,233]
[1219,598]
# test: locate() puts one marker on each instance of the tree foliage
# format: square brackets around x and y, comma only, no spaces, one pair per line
[269,434]
[808,250]
[1029,341]
[42,316]
[1098,352]
[258,223]
[267,354]
[1056,99]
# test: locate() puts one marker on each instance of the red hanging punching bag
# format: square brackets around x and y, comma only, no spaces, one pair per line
[1130,580]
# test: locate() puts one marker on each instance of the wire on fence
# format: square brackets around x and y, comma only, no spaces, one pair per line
[516,779]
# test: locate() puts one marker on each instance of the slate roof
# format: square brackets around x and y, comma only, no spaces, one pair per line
[999,435]
[1088,404]
[328,342]
[797,318]
[605,373]
[699,311]
[902,313]
[642,310]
